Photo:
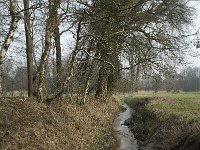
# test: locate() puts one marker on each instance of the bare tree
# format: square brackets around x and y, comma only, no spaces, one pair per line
[15,17]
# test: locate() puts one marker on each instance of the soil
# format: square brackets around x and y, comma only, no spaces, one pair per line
[156,133]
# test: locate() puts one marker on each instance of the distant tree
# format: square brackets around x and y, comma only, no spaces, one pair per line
[20,79]
[189,79]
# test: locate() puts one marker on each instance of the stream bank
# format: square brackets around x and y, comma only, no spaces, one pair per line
[158,132]
[62,125]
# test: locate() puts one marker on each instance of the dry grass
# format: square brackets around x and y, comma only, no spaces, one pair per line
[27,124]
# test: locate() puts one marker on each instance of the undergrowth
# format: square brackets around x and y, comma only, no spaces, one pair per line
[27,124]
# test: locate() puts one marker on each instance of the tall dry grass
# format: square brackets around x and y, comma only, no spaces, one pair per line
[27,124]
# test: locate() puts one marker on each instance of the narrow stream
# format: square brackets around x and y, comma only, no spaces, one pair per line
[122,133]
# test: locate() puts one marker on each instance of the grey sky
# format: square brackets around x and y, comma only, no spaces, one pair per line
[195,61]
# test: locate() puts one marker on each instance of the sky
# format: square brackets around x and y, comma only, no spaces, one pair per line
[195,61]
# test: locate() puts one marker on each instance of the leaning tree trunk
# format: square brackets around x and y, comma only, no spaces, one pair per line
[50,26]
[67,79]
[9,38]
[29,46]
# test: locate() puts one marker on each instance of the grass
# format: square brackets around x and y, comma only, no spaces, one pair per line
[100,139]
[183,105]
[20,93]
[169,121]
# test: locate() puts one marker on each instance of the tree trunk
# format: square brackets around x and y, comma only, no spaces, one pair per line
[1,80]
[86,89]
[134,73]
[136,86]
[101,85]
[114,75]
[50,26]
[29,46]
[87,72]
[58,57]
[101,91]
[58,50]
[9,38]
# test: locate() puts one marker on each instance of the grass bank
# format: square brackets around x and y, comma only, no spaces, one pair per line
[27,124]
[166,121]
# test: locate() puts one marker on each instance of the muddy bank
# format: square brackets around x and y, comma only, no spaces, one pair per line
[155,132]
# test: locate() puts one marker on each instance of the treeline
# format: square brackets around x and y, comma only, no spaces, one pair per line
[148,35]
[188,80]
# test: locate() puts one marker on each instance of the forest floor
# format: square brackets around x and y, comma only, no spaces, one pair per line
[166,121]
[62,125]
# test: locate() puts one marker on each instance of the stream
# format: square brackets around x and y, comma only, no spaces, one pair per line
[124,136]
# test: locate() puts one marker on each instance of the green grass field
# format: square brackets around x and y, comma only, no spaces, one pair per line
[184,105]
[169,121]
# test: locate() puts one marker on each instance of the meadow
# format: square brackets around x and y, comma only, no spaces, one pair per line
[183,105]
[166,120]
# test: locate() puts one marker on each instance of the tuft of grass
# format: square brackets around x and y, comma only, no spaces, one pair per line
[132,100]
[100,140]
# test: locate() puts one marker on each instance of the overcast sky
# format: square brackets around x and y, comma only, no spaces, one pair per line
[195,61]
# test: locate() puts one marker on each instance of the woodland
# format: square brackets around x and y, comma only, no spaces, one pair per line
[114,46]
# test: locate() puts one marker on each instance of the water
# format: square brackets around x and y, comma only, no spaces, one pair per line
[122,133]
